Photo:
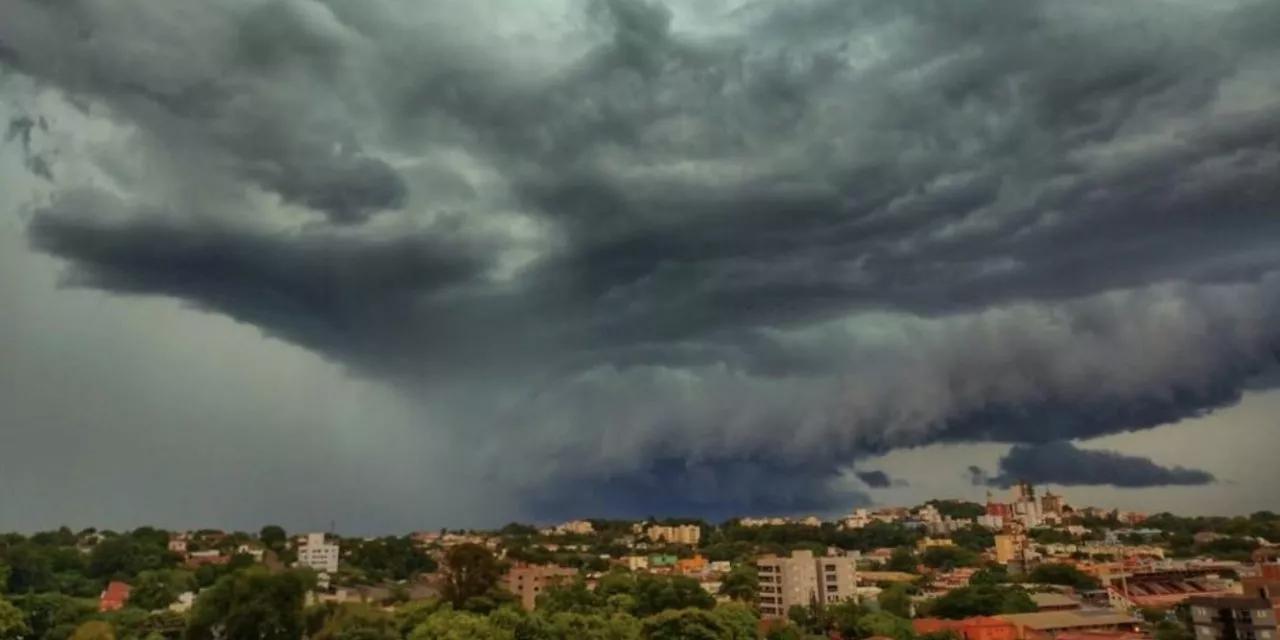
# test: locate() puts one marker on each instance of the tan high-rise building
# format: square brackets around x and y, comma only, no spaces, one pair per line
[527,582]
[804,579]
[1009,547]
[688,534]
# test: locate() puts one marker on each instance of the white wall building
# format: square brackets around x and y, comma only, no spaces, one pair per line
[318,554]
[802,579]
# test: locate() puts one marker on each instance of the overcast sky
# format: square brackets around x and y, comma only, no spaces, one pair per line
[404,264]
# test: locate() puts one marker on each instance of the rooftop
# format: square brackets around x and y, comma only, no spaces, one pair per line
[1046,620]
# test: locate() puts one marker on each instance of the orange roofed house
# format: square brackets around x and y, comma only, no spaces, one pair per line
[975,628]
[114,598]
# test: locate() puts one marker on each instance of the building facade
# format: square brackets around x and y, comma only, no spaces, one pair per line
[1246,617]
[316,553]
[804,579]
[527,582]
[688,534]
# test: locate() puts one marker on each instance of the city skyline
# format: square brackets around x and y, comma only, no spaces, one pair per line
[406,264]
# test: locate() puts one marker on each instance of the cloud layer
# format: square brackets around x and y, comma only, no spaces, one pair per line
[1065,464]
[693,256]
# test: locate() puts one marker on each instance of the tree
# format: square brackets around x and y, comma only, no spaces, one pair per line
[948,558]
[843,618]
[882,623]
[158,589]
[739,621]
[895,599]
[654,594]
[741,583]
[251,604]
[448,624]
[470,571]
[1063,574]
[94,630]
[53,615]
[273,537]
[4,577]
[902,560]
[982,600]
[358,622]
[577,626]
[684,624]
[13,623]
[992,574]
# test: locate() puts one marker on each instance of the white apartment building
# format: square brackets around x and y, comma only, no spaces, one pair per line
[804,579]
[318,554]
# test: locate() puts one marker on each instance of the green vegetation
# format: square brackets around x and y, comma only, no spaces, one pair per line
[1063,574]
[981,600]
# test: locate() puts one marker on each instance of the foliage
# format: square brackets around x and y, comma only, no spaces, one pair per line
[976,539]
[903,559]
[684,624]
[388,558]
[13,623]
[739,621]
[54,615]
[958,509]
[1062,574]
[94,630]
[470,572]
[125,556]
[273,537]
[990,574]
[448,624]
[947,558]
[158,589]
[358,622]
[982,600]
[895,599]
[741,583]
[251,604]
[882,623]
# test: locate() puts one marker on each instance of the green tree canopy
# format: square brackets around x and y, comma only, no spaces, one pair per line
[1063,574]
[447,624]
[741,583]
[158,589]
[251,604]
[94,630]
[470,571]
[358,622]
[685,624]
[883,623]
[896,599]
[13,622]
[982,600]
[273,537]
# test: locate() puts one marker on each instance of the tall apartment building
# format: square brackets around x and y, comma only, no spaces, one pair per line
[804,579]
[527,582]
[316,553]
[1247,617]
[678,534]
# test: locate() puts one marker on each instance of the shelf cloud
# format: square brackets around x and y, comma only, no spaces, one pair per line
[694,256]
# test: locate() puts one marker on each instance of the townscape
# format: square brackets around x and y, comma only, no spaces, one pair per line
[1027,566]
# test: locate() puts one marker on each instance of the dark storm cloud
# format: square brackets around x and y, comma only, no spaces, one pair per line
[1062,463]
[650,256]
[875,479]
